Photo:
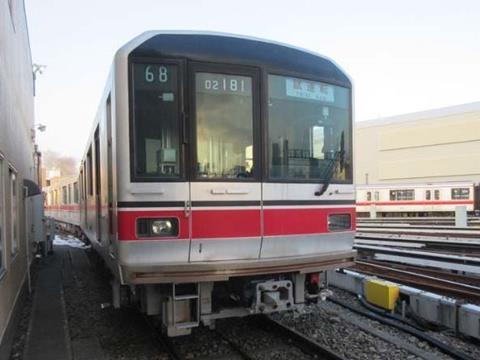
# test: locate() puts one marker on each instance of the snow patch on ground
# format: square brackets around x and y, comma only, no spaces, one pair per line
[69,240]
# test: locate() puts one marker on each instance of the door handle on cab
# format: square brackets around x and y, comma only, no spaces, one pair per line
[188,208]
[229,191]
[237,191]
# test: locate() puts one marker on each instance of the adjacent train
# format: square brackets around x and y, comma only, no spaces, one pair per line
[62,198]
[428,199]
[217,180]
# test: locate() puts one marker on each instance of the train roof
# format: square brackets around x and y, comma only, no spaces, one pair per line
[231,48]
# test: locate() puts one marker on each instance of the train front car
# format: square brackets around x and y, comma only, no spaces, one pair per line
[234,175]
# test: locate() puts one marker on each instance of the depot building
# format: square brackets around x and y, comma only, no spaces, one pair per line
[431,146]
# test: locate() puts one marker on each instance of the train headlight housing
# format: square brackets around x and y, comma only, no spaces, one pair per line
[161,227]
[339,222]
[154,228]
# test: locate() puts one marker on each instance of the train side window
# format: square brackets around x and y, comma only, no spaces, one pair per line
[460,194]
[377,196]
[393,195]
[436,194]
[14,211]
[428,195]
[369,196]
[2,206]
[83,186]
[90,172]
[69,193]
[64,194]
[402,195]
[75,192]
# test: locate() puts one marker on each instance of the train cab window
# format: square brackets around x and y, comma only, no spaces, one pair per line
[2,206]
[428,195]
[460,194]
[308,130]
[224,126]
[369,196]
[436,194]
[156,121]
[14,211]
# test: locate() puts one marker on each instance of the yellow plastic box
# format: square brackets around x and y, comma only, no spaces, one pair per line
[381,293]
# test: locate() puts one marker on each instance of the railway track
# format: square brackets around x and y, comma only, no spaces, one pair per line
[460,254]
[441,274]
[440,221]
[253,338]
[472,232]
[423,280]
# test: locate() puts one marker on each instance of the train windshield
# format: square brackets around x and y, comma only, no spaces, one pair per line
[156,114]
[309,130]
[224,126]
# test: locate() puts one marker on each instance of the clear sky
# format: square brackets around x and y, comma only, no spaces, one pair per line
[404,56]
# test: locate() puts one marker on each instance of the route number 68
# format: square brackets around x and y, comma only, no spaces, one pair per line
[162,74]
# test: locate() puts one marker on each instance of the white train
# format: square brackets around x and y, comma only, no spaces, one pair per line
[217,180]
[428,199]
[62,202]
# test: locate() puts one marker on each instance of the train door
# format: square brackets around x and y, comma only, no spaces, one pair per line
[109,180]
[98,182]
[225,190]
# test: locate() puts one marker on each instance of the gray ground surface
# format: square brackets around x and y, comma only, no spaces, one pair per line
[106,333]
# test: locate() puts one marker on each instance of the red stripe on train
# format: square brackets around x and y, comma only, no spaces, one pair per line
[214,224]
[455,202]
[225,223]
[300,221]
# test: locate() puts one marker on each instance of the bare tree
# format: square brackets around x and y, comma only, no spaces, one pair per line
[66,165]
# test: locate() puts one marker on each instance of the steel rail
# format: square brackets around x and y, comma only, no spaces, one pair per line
[442,274]
[389,268]
[431,284]
[243,354]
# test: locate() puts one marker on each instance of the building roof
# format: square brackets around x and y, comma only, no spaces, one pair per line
[421,115]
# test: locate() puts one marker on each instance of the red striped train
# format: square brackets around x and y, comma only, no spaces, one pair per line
[427,199]
[217,180]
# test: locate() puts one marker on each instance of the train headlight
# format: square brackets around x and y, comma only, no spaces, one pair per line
[162,227]
[154,228]
[339,222]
